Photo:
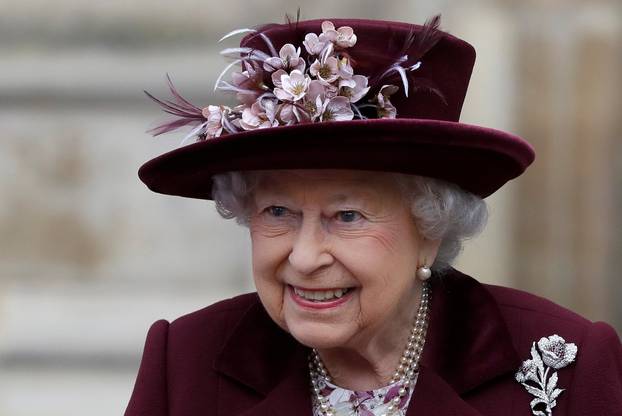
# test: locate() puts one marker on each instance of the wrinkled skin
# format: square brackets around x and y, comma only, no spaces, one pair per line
[326,229]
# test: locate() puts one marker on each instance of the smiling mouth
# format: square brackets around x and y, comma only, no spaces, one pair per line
[321,295]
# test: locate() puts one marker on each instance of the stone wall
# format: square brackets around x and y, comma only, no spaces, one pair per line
[89,258]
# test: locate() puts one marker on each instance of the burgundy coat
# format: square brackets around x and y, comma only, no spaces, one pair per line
[231,359]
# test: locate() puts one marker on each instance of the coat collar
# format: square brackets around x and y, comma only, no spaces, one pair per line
[468,344]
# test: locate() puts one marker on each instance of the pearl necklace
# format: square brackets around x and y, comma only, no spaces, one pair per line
[406,371]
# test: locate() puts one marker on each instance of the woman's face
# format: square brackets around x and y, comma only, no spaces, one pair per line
[335,254]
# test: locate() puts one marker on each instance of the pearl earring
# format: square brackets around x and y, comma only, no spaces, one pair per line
[424,273]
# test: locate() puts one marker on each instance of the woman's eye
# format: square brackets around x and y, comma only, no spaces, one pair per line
[348,216]
[277,211]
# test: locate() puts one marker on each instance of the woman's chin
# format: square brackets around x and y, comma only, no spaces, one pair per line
[318,339]
[318,336]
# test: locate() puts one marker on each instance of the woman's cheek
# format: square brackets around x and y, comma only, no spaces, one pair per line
[389,238]
[269,255]
[270,288]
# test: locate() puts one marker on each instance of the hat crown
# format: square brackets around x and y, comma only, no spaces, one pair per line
[439,84]
[426,137]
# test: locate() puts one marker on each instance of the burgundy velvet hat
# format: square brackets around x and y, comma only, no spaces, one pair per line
[339,94]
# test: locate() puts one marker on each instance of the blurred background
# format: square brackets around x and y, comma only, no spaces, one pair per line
[89,258]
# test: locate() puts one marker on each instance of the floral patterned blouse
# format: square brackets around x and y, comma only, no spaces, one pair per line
[363,403]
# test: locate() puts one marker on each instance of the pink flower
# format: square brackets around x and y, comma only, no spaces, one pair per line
[314,44]
[289,59]
[249,84]
[214,115]
[336,109]
[313,102]
[261,114]
[345,69]
[385,108]
[292,114]
[306,110]
[354,88]
[343,37]
[276,77]
[327,70]
[293,86]
[331,90]
[288,114]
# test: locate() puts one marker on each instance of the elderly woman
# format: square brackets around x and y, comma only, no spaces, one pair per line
[346,161]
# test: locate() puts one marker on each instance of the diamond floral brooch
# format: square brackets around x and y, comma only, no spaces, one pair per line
[536,376]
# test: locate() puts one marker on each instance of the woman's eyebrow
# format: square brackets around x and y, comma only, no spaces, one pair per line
[354,196]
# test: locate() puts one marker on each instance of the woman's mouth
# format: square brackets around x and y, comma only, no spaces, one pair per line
[321,295]
[320,298]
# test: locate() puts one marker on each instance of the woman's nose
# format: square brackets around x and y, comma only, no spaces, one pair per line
[310,249]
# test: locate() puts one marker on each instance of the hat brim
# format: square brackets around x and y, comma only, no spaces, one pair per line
[478,159]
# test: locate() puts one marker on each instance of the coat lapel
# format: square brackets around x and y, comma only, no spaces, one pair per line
[433,396]
[291,396]
[263,357]
[467,345]
[468,342]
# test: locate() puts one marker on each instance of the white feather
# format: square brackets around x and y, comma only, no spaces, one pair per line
[261,56]
[366,106]
[224,71]
[193,133]
[358,112]
[269,43]
[402,73]
[228,125]
[225,86]
[252,54]
[401,60]
[228,52]
[237,32]
[415,66]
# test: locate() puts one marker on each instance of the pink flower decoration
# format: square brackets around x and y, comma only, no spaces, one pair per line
[326,71]
[336,109]
[315,44]
[385,108]
[343,37]
[249,84]
[354,88]
[293,86]
[214,115]
[261,114]
[276,77]
[289,59]
[310,104]
[290,114]
[276,89]
[345,69]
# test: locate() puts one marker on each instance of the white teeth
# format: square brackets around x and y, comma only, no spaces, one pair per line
[320,295]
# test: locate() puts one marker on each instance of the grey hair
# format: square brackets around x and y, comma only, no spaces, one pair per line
[442,210]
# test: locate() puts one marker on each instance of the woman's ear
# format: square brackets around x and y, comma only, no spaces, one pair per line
[428,250]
